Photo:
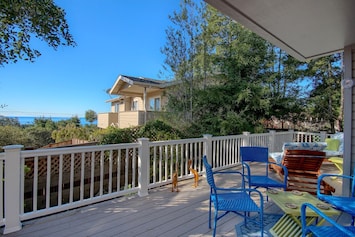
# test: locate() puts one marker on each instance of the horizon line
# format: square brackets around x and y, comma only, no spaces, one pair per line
[37,114]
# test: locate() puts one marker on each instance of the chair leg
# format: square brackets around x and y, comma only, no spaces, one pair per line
[209,215]
[215,223]
[261,223]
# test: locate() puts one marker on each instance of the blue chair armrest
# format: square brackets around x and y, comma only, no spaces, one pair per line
[322,176]
[335,175]
[248,173]
[305,228]
[284,168]
[227,172]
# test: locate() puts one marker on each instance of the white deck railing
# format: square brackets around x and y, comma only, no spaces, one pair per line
[46,181]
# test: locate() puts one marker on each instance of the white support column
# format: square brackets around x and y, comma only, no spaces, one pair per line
[348,119]
[143,167]
[12,188]
[145,104]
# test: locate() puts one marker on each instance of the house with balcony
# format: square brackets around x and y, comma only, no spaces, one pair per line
[137,100]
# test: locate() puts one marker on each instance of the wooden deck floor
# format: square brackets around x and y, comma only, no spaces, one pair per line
[161,213]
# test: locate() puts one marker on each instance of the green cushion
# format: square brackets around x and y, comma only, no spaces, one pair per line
[332,144]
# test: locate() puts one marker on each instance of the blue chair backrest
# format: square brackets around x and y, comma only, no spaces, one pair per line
[209,173]
[254,153]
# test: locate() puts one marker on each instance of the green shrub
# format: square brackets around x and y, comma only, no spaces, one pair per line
[157,130]
[114,135]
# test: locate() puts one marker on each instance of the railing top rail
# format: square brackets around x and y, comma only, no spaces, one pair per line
[284,132]
[259,134]
[251,135]
[227,137]
[77,149]
[181,141]
[309,133]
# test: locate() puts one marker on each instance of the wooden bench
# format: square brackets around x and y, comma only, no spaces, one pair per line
[303,170]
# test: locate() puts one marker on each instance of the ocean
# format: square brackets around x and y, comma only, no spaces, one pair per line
[25,120]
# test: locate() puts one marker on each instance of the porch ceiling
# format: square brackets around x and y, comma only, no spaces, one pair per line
[134,90]
[305,29]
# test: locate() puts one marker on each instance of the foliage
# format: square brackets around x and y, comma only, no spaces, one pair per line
[39,136]
[285,75]
[223,57]
[180,50]
[75,121]
[113,135]
[70,131]
[6,121]
[231,80]
[44,131]
[21,20]
[11,132]
[154,130]
[90,116]
[220,113]
[325,98]
[10,135]
[46,123]
[157,130]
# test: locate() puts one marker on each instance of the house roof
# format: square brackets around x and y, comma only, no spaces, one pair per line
[116,99]
[305,29]
[134,86]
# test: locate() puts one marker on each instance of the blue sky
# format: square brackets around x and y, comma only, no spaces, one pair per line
[113,37]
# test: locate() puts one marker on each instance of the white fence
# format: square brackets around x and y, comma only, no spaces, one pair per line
[46,181]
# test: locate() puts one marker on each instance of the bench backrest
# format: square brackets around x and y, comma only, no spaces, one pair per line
[303,161]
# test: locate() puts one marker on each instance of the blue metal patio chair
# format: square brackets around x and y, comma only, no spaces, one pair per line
[331,229]
[342,203]
[236,200]
[260,155]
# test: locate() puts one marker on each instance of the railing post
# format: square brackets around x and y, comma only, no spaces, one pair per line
[143,166]
[246,140]
[272,141]
[323,136]
[292,135]
[208,147]
[12,188]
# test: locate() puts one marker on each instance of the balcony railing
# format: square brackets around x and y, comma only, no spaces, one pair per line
[46,181]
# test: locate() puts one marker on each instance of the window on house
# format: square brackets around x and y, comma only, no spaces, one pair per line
[117,107]
[154,104]
[134,105]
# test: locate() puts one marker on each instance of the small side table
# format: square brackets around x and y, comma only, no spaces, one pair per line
[290,203]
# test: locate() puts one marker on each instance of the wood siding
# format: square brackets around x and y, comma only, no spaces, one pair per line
[125,117]
[128,119]
[106,119]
